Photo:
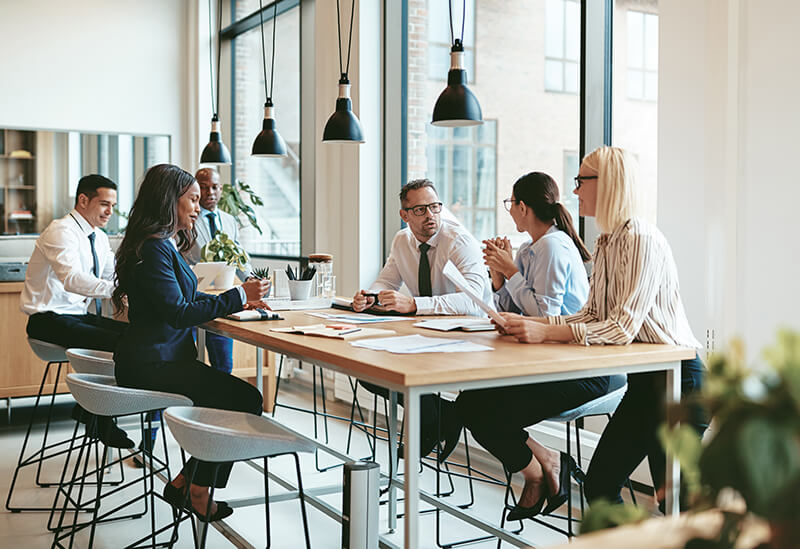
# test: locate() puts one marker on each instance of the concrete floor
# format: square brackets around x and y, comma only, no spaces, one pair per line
[28,529]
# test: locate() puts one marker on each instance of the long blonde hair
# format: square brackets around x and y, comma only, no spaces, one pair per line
[618,194]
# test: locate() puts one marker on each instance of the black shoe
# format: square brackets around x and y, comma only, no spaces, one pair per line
[519,512]
[568,469]
[176,496]
[112,436]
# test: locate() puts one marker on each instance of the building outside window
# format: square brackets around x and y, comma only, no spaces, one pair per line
[642,55]
[562,45]
[525,128]
[463,164]
[275,180]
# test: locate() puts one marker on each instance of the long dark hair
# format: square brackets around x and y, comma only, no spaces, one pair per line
[539,192]
[154,215]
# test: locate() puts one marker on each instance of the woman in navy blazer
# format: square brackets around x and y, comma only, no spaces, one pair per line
[157,351]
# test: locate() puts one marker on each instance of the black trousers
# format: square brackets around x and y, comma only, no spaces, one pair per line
[498,417]
[79,331]
[206,386]
[631,435]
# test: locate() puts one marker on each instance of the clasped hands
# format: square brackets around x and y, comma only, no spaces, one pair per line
[390,300]
[497,255]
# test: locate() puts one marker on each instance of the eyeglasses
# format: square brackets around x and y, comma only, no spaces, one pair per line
[508,202]
[434,207]
[579,179]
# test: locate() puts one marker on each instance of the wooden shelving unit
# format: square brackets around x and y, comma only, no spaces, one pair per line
[18,181]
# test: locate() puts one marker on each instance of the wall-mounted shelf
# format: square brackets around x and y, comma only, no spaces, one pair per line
[17,178]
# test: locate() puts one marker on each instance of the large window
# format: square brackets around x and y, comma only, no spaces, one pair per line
[642,33]
[525,128]
[275,180]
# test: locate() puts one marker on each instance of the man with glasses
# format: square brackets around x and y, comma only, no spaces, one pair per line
[418,255]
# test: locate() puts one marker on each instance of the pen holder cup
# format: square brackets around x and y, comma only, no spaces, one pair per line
[299,289]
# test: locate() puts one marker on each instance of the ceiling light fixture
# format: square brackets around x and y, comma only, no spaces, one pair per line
[215,153]
[269,142]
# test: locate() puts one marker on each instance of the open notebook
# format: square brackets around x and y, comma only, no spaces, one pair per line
[463,324]
[341,332]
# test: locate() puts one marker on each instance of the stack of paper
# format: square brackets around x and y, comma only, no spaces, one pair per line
[336,333]
[420,344]
[465,324]
[357,318]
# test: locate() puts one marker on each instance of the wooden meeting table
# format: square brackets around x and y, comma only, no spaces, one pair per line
[510,363]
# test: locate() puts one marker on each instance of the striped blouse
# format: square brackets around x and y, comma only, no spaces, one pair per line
[633,294]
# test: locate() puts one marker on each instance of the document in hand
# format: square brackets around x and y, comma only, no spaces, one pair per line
[463,324]
[335,333]
[414,344]
[454,275]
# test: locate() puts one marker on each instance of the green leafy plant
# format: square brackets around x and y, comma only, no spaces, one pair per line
[231,201]
[754,450]
[224,248]
[261,272]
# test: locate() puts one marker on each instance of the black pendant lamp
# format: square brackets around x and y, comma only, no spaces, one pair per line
[457,105]
[269,142]
[343,125]
[215,153]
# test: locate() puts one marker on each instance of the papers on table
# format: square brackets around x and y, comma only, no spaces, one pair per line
[464,324]
[414,344]
[336,333]
[286,304]
[357,318]
[454,275]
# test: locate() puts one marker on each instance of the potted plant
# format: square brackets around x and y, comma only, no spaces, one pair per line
[231,201]
[752,457]
[224,248]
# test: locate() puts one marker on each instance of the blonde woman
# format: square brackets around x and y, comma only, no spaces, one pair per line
[633,297]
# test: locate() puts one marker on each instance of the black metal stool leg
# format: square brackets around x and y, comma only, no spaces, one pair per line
[302,499]
[47,429]
[266,500]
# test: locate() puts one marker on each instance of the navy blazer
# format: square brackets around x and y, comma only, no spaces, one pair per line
[164,305]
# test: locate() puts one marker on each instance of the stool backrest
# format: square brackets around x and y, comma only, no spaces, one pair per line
[224,435]
[89,361]
[102,396]
[46,351]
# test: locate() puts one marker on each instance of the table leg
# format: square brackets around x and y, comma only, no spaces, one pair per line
[268,359]
[673,481]
[393,444]
[201,344]
[260,371]
[412,415]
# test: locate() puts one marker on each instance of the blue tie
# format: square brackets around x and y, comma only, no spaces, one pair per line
[95,271]
[212,224]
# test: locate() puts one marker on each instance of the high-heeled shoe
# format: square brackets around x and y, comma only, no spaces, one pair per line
[176,496]
[568,469]
[519,512]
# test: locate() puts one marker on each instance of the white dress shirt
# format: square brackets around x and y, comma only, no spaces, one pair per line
[550,279]
[634,293]
[451,242]
[59,276]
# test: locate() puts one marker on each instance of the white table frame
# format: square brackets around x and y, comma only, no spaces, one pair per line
[412,420]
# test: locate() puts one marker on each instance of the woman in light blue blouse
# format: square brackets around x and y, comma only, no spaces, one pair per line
[547,278]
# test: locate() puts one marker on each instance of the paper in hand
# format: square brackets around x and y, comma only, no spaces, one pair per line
[454,275]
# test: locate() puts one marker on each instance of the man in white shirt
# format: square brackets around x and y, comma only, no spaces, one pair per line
[211,221]
[70,271]
[418,255]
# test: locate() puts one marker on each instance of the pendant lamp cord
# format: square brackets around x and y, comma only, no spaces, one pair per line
[214,104]
[463,20]
[349,39]
[263,49]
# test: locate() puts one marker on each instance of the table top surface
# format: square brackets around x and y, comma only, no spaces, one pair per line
[508,359]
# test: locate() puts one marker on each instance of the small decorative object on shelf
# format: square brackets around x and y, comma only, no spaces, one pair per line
[20,153]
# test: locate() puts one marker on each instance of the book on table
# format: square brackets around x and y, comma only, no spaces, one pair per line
[450,324]
[335,331]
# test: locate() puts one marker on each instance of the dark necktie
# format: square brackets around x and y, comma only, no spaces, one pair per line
[424,271]
[96,272]
[212,224]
